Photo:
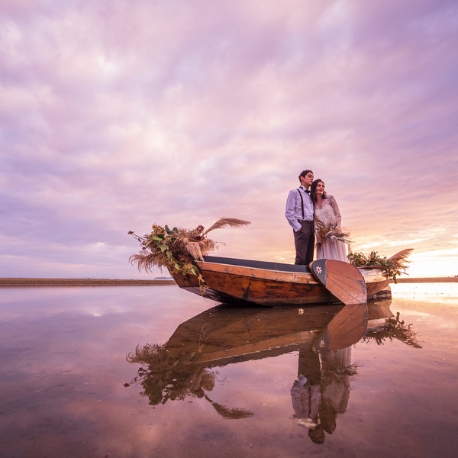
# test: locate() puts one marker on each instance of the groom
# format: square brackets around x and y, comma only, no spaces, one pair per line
[299,213]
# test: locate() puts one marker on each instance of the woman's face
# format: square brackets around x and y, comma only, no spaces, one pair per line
[320,188]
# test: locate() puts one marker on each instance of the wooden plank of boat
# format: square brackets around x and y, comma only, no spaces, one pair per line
[341,279]
[263,283]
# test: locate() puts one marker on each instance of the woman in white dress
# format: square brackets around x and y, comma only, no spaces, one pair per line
[327,214]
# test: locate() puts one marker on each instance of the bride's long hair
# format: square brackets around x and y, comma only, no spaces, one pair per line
[313,190]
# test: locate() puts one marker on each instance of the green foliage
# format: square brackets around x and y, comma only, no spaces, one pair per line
[178,248]
[165,247]
[390,267]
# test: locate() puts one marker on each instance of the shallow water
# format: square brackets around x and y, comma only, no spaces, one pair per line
[381,381]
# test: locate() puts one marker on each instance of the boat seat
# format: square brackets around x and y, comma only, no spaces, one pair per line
[257,264]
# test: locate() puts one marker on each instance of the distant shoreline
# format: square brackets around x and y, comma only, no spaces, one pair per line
[428,280]
[24,282]
[34,282]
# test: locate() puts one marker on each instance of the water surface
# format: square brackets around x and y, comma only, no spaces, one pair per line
[203,381]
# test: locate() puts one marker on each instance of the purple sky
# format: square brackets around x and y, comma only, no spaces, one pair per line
[115,115]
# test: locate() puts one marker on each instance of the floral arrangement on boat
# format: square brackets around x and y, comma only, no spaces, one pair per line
[391,267]
[177,248]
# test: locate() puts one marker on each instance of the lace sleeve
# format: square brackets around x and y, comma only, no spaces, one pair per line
[334,206]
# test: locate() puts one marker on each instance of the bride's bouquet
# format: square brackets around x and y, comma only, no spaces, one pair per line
[330,232]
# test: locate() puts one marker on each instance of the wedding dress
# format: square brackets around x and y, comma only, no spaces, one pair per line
[327,248]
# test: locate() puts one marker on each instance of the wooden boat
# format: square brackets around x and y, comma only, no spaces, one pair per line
[246,282]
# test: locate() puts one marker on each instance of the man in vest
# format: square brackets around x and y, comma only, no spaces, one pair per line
[299,213]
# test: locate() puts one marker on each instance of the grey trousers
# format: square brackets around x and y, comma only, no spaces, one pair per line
[304,241]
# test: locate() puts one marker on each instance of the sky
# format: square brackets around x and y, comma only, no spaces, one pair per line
[118,114]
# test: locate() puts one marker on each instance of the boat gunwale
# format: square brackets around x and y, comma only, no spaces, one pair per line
[366,271]
[260,274]
[236,262]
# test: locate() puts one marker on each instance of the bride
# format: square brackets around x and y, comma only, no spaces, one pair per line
[327,221]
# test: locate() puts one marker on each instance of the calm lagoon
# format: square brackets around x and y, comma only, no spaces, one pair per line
[155,371]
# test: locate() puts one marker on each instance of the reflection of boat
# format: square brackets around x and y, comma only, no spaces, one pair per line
[226,335]
[230,280]
[322,336]
[223,335]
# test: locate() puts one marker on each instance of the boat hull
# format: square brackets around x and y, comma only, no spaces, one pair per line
[245,282]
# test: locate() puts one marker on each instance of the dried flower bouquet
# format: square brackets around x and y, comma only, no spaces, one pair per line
[177,248]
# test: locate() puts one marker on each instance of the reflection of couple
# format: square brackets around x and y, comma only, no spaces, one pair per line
[322,390]
[311,213]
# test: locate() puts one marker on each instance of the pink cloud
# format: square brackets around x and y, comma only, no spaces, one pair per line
[114,116]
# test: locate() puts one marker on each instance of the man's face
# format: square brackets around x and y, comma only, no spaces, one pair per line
[307,180]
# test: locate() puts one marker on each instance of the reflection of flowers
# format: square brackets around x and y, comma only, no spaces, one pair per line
[393,328]
[336,372]
[330,232]
[165,377]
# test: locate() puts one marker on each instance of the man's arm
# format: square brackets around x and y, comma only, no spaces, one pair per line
[289,212]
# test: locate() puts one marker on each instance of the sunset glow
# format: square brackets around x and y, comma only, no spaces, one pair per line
[116,115]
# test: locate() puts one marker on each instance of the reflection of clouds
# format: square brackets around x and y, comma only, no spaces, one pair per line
[92,403]
[439,293]
[87,301]
[67,396]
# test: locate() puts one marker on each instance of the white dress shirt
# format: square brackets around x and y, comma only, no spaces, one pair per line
[293,210]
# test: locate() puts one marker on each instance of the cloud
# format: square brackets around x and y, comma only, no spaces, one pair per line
[114,116]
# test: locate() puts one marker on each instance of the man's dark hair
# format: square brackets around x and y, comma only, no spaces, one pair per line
[304,173]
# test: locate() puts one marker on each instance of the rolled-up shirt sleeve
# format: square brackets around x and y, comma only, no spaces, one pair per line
[291,210]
